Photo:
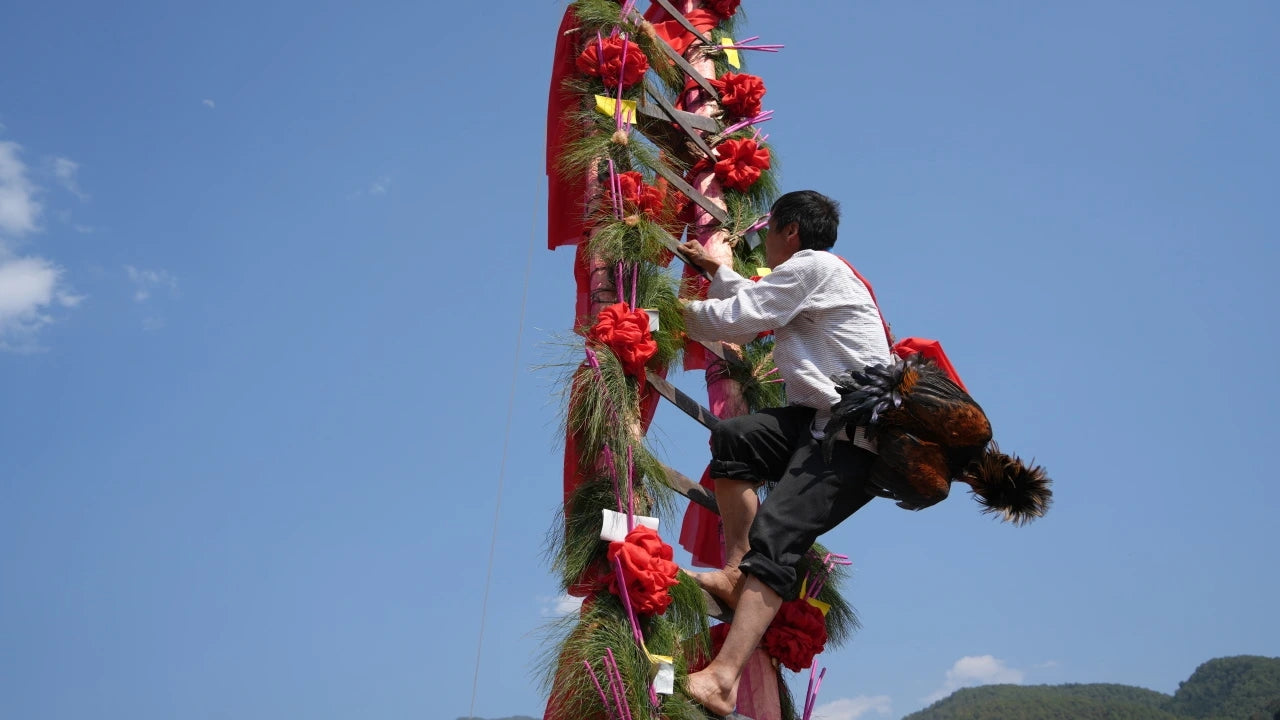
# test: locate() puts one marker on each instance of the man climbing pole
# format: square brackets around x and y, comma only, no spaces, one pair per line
[866,420]
[825,322]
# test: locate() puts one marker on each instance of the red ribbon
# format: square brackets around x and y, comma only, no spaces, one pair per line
[652,200]
[741,162]
[724,8]
[798,633]
[740,94]
[626,333]
[647,562]
[604,59]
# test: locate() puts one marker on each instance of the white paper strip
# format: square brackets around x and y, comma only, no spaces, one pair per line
[614,527]
[664,683]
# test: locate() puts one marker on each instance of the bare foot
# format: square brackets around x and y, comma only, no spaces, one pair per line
[724,584]
[706,690]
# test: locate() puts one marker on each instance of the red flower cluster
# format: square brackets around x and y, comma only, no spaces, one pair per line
[639,197]
[647,563]
[603,59]
[740,164]
[797,633]
[626,333]
[724,8]
[740,94]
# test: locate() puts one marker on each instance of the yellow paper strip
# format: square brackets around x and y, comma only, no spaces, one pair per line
[762,272]
[824,607]
[607,105]
[730,54]
[655,659]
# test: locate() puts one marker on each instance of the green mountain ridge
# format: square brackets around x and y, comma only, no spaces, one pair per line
[1245,687]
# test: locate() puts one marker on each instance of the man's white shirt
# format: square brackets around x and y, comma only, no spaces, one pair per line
[824,321]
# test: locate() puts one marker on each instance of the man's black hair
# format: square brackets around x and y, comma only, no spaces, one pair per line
[816,216]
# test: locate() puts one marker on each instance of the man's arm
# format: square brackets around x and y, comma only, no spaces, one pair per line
[755,308]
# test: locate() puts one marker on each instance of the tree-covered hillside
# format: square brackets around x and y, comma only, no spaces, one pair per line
[1230,687]
[1050,702]
[1233,688]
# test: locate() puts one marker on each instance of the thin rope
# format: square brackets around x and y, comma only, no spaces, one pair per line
[502,469]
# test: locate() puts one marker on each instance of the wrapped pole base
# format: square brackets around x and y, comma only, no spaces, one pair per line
[758,691]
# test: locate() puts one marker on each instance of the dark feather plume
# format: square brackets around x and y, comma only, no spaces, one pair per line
[865,395]
[1004,484]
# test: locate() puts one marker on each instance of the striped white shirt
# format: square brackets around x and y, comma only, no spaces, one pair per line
[824,322]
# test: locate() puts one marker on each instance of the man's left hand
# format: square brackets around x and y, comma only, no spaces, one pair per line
[697,255]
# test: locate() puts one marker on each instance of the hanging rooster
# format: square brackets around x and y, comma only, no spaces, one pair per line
[930,433]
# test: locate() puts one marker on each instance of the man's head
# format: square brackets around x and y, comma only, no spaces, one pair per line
[800,220]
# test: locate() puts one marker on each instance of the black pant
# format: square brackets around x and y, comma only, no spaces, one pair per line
[809,498]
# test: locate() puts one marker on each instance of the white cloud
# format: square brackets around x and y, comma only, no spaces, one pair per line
[207,103]
[974,670]
[29,288]
[560,606]
[146,281]
[65,170]
[377,187]
[19,209]
[853,708]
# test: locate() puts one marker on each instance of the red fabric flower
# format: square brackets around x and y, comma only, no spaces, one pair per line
[626,333]
[653,201]
[740,164]
[724,8]
[673,33]
[648,199]
[740,94]
[603,59]
[647,564]
[631,183]
[797,633]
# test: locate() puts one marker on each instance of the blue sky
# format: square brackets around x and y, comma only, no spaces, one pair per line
[262,275]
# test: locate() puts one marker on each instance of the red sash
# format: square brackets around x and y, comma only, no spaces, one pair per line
[907,347]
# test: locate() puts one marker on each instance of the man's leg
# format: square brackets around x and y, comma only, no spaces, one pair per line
[715,687]
[811,498]
[738,503]
[747,451]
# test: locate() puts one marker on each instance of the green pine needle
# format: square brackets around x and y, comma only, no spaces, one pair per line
[842,621]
